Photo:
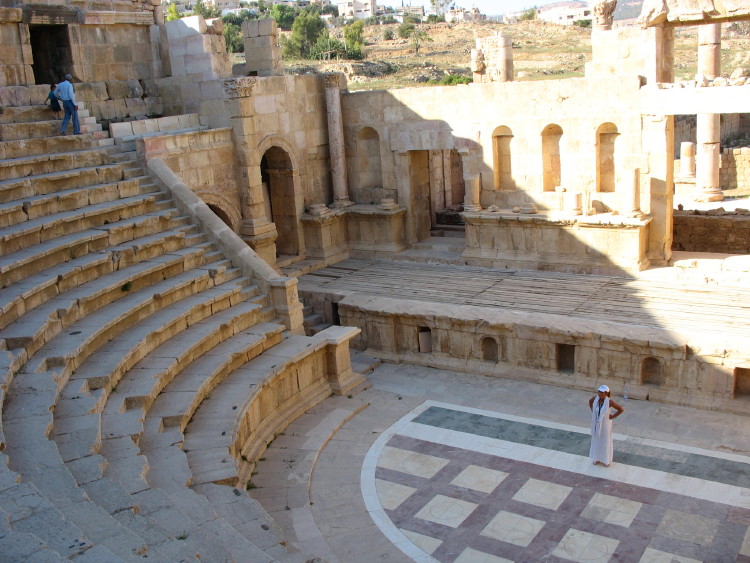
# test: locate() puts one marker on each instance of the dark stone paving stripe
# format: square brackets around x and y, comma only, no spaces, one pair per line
[687,464]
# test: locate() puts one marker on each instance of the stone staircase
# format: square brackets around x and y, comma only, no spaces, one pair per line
[128,344]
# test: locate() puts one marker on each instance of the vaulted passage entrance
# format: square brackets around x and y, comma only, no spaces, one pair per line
[282,207]
[50,49]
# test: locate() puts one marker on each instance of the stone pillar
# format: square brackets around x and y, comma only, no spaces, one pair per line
[635,203]
[708,158]
[342,378]
[334,83]
[657,184]
[473,194]
[687,159]
[660,55]
[505,53]
[603,14]
[709,50]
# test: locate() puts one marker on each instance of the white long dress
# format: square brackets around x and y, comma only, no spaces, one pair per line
[602,442]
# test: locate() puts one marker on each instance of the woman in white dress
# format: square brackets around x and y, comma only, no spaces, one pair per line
[602,442]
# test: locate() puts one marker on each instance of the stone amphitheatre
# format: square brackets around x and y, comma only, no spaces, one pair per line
[263,318]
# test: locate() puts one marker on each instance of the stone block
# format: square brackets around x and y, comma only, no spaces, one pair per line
[250,28]
[267,27]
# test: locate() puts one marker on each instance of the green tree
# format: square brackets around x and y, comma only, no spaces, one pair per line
[284,16]
[354,35]
[172,13]
[529,14]
[330,9]
[306,29]
[208,12]
[418,37]
[233,37]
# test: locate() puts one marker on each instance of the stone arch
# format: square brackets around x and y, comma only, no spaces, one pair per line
[652,372]
[551,163]
[489,349]
[606,177]
[502,138]
[223,207]
[282,194]
[369,168]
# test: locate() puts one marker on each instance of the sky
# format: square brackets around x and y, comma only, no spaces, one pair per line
[489,7]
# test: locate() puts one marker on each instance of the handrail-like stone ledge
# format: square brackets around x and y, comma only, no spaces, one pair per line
[297,381]
[283,290]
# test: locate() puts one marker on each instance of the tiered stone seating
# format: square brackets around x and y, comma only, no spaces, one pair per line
[118,318]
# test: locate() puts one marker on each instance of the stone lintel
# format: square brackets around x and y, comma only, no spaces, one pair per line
[111,18]
[11,15]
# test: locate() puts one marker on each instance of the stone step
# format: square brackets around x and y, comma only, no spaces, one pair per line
[140,386]
[53,182]
[42,323]
[34,207]
[48,128]
[42,229]
[19,265]
[14,168]
[21,297]
[245,514]
[60,143]
[25,114]
[37,460]
[65,353]
[177,404]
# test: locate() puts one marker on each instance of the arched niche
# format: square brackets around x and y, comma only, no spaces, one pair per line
[489,349]
[221,214]
[502,138]
[652,372]
[369,163]
[606,135]
[551,163]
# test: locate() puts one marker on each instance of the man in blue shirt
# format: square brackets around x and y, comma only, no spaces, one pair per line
[64,92]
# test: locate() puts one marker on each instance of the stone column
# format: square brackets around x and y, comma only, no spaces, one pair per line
[473,194]
[505,53]
[603,14]
[334,83]
[635,204]
[709,50]
[708,158]
[687,159]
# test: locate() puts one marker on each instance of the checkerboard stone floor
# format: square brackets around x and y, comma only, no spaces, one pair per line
[468,486]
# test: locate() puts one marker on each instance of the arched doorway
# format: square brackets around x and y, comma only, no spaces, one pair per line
[281,203]
[551,167]
[219,212]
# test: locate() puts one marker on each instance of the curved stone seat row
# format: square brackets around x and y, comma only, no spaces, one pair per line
[121,326]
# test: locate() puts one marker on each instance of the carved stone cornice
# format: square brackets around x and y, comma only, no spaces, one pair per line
[239,86]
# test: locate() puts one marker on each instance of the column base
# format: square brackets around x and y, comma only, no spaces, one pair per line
[342,203]
[705,196]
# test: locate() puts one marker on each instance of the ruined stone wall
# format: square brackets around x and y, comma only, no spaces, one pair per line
[712,231]
[466,118]
[735,168]
[205,162]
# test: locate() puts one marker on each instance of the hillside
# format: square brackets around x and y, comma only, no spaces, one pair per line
[540,50]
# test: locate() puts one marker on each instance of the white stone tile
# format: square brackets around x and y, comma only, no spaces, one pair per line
[512,528]
[542,493]
[425,543]
[391,495]
[577,545]
[446,511]
[479,478]
[469,555]
[612,510]
[413,463]
[655,556]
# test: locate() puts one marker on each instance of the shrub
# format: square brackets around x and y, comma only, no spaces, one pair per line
[388,35]
[405,30]
[529,14]
[582,23]
[454,79]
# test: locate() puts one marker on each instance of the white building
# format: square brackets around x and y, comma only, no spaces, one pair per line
[359,9]
[565,13]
